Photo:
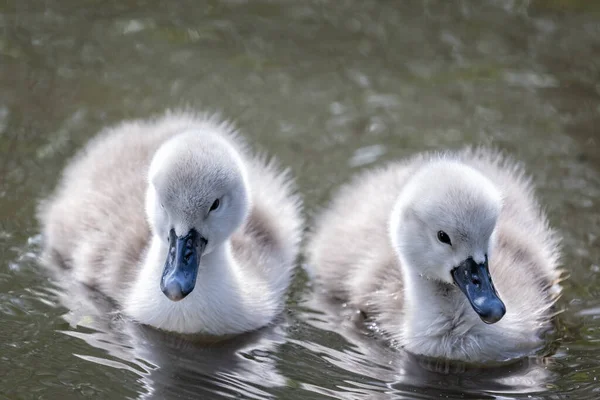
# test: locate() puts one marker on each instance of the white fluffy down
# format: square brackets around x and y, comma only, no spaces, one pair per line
[108,222]
[376,247]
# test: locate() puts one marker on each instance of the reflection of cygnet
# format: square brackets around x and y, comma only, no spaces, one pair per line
[397,372]
[450,254]
[239,366]
[179,223]
[172,366]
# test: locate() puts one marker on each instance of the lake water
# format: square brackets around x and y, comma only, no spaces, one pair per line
[331,87]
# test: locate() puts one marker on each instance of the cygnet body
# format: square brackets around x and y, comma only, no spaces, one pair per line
[177,221]
[449,254]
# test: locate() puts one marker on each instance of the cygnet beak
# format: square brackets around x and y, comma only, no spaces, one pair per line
[181,268]
[476,283]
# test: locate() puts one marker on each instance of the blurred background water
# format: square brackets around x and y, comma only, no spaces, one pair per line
[331,87]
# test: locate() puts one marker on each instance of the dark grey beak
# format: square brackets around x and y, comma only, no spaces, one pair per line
[181,268]
[476,283]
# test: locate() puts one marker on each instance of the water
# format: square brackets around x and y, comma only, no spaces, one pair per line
[331,88]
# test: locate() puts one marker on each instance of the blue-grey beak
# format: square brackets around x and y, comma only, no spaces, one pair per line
[181,268]
[476,283]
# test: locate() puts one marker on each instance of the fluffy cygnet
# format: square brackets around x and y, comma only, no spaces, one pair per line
[450,254]
[177,221]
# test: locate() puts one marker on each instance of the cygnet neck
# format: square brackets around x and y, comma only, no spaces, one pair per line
[422,301]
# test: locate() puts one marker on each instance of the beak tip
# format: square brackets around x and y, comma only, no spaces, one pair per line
[174,292]
[493,314]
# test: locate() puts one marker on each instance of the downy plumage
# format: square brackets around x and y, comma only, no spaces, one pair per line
[177,221]
[449,253]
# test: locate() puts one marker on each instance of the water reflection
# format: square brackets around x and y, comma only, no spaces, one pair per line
[401,375]
[344,360]
[171,366]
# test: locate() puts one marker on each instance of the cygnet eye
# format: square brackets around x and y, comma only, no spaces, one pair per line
[215,205]
[444,238]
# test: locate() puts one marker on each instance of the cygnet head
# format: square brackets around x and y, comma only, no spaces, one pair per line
[443,227]
[197,197]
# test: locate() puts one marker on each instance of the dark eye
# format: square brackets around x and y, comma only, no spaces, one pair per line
[215,205]
[444,238]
